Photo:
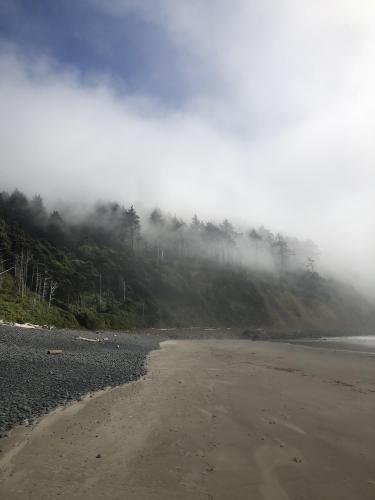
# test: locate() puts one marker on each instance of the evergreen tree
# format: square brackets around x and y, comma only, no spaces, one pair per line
[256,240]
[38,215]
[133,226]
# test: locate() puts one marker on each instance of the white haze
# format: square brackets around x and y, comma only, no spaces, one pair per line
[281,133]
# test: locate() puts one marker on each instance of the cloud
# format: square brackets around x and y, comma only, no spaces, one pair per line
[280,132]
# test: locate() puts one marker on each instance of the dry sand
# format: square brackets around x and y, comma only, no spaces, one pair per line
[212,420]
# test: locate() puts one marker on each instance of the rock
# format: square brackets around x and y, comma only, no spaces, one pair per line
[32,383]
[251,335]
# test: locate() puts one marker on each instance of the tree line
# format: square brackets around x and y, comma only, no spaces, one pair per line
[78,265]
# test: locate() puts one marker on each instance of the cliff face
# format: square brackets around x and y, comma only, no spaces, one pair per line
[238,297]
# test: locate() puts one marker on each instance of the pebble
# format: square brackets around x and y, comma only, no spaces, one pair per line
[33,383]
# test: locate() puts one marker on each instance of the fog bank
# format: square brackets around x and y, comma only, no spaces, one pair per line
[280,135]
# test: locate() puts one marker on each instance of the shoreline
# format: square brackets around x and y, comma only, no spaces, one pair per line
[86,367]
[211,419]
[73,405]
[339,344]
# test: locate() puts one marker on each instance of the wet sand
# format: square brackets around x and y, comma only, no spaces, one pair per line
[211,420]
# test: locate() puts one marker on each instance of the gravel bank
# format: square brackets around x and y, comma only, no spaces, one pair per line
[33,382]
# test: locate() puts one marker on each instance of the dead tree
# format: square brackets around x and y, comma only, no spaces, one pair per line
[124,290]
[38,283]
[6,271]
[100,292]
[52,288]
[1,271]
[21,271]
[44,289]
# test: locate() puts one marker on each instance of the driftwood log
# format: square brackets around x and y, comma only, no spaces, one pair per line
[54,351]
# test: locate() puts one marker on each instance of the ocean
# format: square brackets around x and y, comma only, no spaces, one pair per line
[361,344]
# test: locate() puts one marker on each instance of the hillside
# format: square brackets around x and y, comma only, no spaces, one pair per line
[99,274]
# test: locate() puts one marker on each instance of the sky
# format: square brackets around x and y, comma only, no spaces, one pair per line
[262,111]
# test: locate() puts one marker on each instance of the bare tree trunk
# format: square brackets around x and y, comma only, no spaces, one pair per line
[25,265]
[6,270]
[52,289]
[32,278]
[1,272]
[45,286]
[124,290]
[100,292]
[21,263]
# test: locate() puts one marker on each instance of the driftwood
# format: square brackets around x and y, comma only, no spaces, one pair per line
[55,351]
[87,340]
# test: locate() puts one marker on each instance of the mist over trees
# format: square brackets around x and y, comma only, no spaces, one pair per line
[161,235]
[171,237]
[110,262]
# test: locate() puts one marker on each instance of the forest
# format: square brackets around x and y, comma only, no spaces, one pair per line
[107,268]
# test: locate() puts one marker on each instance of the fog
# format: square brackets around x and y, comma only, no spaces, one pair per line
[275,125]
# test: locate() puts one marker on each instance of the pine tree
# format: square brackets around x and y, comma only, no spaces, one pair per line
[133,226]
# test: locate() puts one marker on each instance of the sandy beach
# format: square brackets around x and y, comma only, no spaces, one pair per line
[212,419]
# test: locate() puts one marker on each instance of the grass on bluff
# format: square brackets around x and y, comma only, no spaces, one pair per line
[25,309]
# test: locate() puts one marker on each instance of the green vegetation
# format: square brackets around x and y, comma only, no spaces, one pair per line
[103,272]
[25,309]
